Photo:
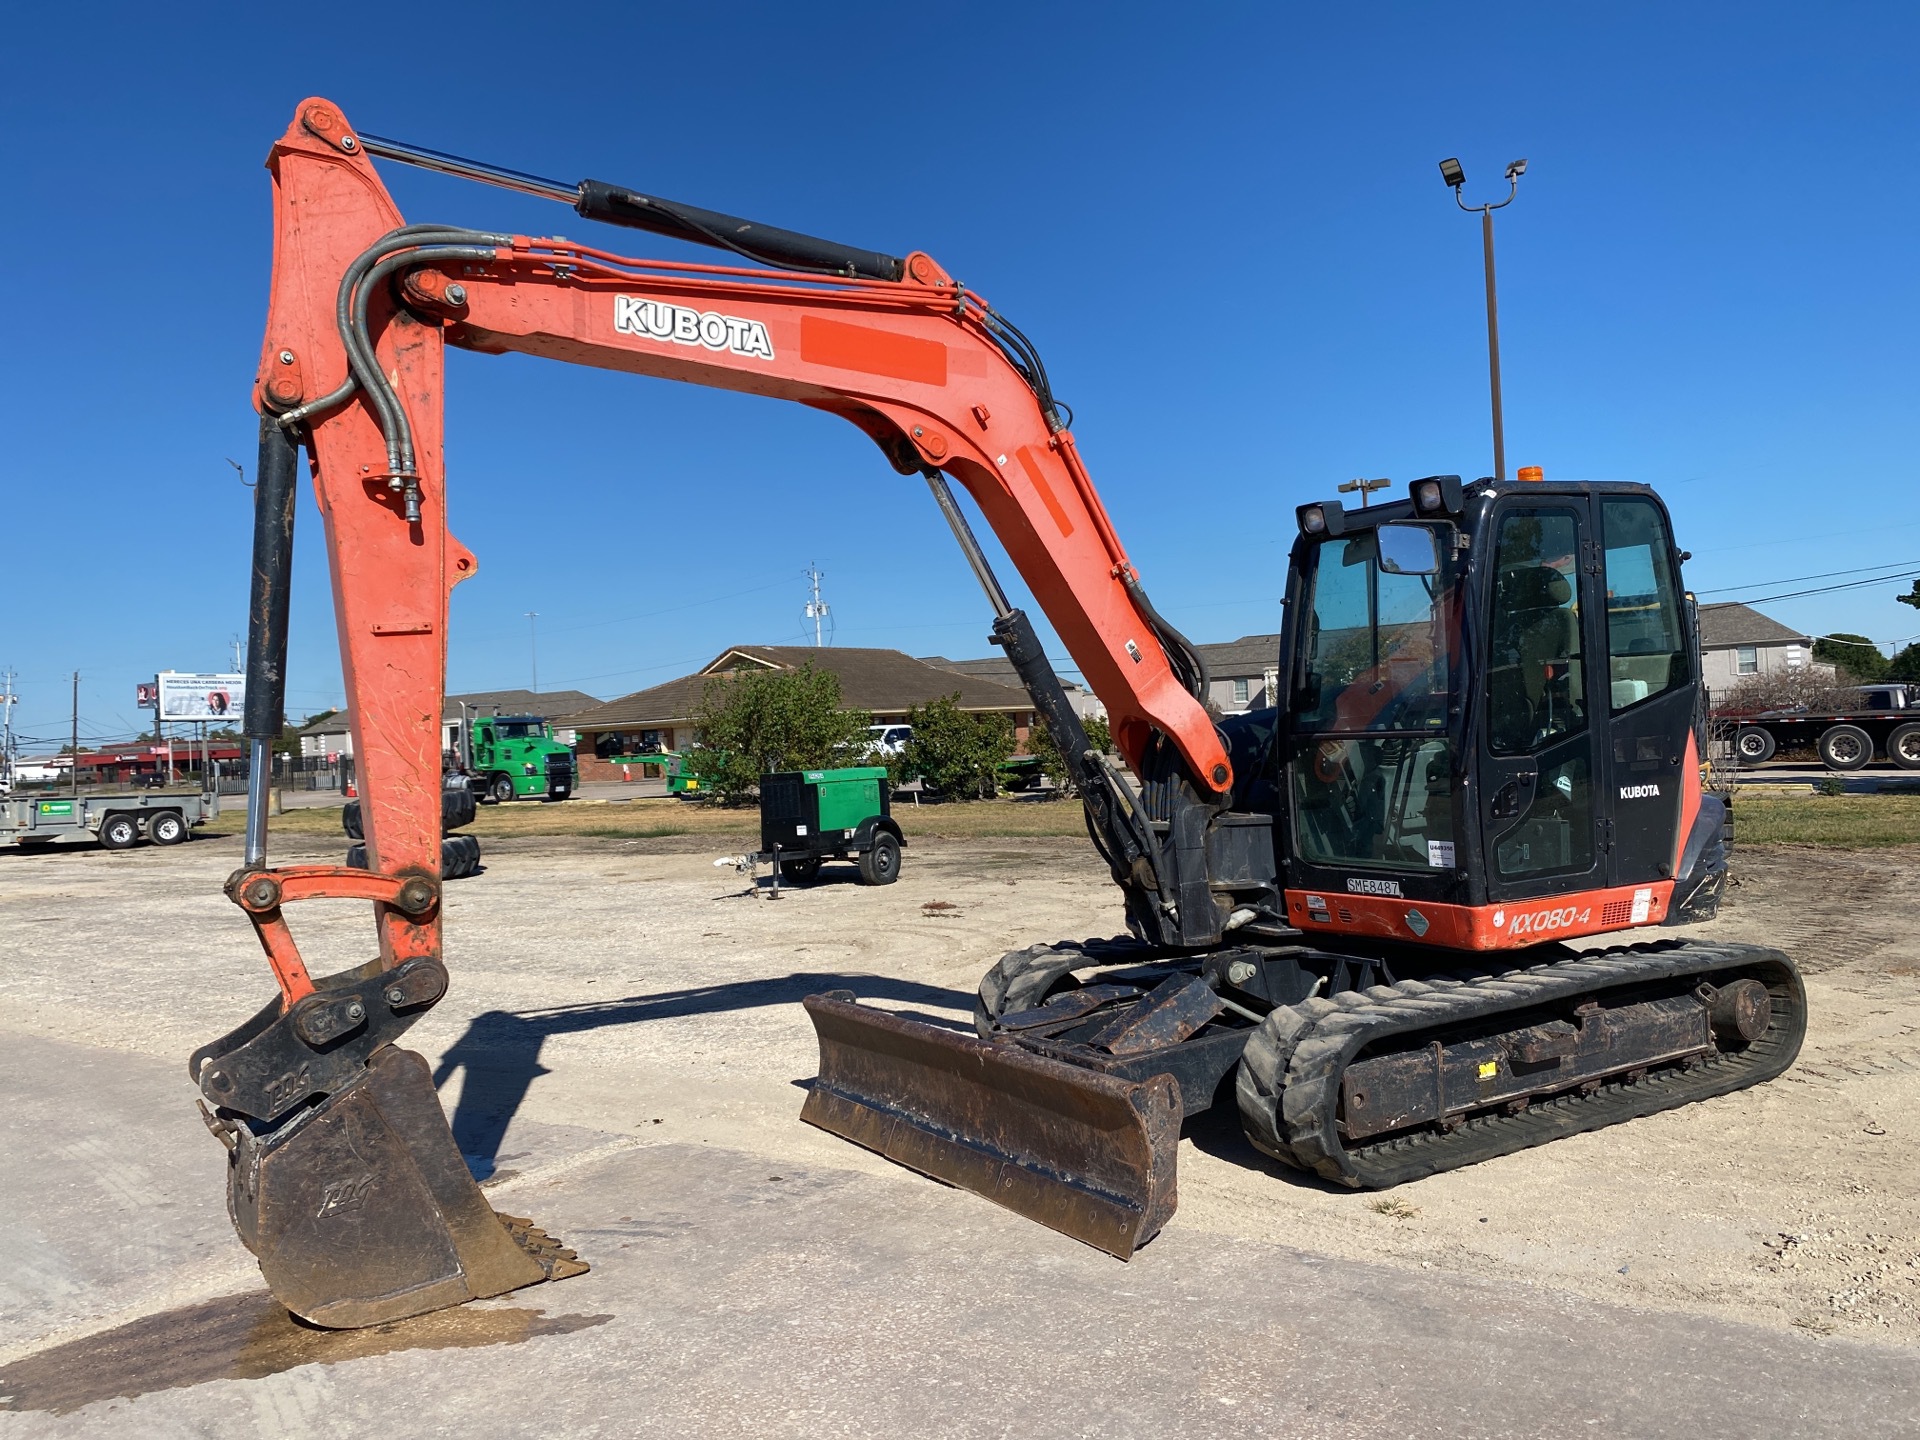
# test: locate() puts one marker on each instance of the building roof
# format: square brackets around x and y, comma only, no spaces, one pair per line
[881,680]
[999,669]
[1731,623]
[547,704]
[1249,656]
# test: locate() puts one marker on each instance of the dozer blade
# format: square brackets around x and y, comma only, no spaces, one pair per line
[362,1210]
[1081,1152]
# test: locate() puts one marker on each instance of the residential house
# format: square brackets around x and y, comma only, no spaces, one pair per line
[887,683]
[1244,674]
[999,669]
[1737,641]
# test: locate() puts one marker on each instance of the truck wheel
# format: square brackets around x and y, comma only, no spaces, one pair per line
[1754,746]
[499,790]
[167,828]
[350,820]
[119,832]
[356,857]
[1903,746]
[1846,747]
[881,863]
[801,871]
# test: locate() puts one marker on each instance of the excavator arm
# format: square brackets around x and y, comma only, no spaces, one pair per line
[344,1179]
[363,306]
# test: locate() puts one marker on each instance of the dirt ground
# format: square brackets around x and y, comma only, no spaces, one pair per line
[632,987]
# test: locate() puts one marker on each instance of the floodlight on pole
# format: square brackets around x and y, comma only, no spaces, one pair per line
[1365,487]
[1456,177]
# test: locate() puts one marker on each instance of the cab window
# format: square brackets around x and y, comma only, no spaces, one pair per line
[1536,690]
[1646,646]
[1372,765]
[1536,685]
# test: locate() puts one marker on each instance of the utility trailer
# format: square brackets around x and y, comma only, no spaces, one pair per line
[1885,719]
[117,821]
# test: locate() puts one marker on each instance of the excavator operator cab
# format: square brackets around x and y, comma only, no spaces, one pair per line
[1490,707]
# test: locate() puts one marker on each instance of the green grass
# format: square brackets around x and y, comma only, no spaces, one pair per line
[1843,822]
[653,819]
[1850,822]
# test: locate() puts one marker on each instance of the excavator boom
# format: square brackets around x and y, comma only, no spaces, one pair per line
[344,1179]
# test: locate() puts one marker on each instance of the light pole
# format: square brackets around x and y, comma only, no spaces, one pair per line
[1455,177]
[533,646]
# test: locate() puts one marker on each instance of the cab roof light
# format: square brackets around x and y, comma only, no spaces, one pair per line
[1321,519]
[1436,495]
[1531,473]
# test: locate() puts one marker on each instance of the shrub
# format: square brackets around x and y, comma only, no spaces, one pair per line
[954,751]
[761,722]
[1804,687]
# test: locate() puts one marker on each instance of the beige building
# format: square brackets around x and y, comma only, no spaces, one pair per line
[888,683]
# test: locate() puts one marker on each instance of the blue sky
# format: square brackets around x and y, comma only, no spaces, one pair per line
[1222,225]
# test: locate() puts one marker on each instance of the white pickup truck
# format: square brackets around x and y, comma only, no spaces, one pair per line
[117,821]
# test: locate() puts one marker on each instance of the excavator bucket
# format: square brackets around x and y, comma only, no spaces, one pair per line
[1083,1153]
[361,1210]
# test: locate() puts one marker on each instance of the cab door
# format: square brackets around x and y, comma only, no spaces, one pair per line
[1652,688]
[1543,722]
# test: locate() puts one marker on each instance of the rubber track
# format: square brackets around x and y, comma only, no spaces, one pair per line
[1022,978]
[1289,1080]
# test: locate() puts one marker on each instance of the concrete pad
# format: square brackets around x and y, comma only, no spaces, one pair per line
[733,1297]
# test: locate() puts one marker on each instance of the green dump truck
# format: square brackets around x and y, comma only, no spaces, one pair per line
[511,757]
[808,817]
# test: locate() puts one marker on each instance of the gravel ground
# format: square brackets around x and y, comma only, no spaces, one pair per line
[632,988]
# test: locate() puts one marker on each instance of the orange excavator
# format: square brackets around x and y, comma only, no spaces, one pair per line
[1348,915]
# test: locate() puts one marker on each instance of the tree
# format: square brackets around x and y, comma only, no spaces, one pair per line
[1905,666]
[1041,744]
[1912,597]
[763,722]
[1855,656]
[953,751]
[1800,688]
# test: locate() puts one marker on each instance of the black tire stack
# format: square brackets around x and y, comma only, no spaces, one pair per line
[459,854]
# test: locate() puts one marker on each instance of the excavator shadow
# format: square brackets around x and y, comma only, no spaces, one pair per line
[1216,1131]
[498,1058]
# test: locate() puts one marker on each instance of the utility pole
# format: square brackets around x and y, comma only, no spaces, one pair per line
[238,665]
[73,761]
[6,736]
[816,607]
[533,646]
[1456,177]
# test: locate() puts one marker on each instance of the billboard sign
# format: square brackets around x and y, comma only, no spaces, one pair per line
[186,696]
[146,695]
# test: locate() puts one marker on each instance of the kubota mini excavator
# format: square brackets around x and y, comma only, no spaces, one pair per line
[1352,911]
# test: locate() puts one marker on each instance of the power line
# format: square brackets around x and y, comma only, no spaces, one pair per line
[1823,589]
[1824,575]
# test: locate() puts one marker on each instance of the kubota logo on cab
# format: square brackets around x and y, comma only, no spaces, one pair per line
[657,320]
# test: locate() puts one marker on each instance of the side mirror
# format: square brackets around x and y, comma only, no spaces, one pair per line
[1407,549]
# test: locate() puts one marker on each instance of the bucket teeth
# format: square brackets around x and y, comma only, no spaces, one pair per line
[560,1262]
